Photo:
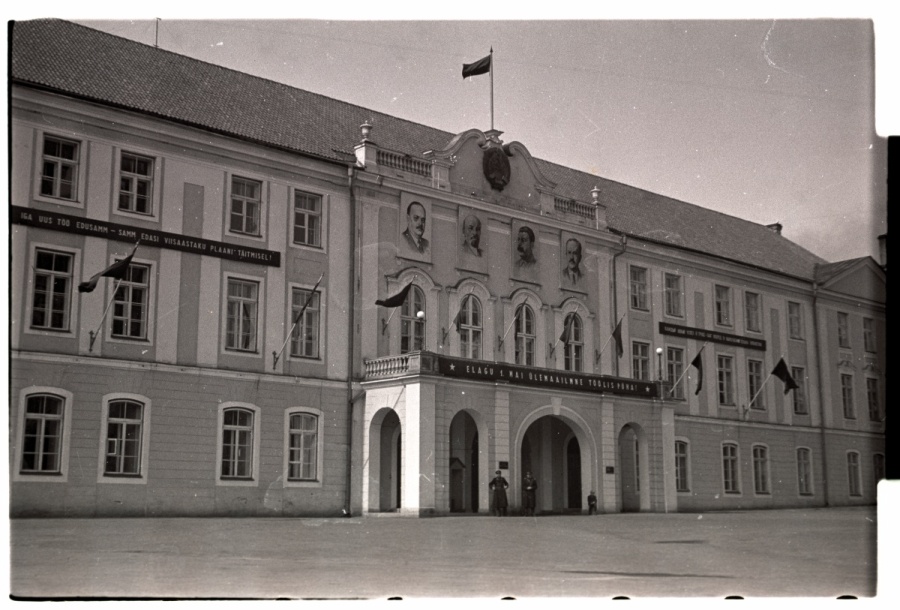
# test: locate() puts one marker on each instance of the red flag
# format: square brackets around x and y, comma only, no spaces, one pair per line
[482,66]
[617,335]
[781,371]
[697,363]
[396,300]
[458,319]
[117,270]
[567,329]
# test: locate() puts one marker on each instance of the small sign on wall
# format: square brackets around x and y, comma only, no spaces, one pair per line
[503,466]
[610,470]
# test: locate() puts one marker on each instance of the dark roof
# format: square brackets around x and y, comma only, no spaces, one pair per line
[75,60]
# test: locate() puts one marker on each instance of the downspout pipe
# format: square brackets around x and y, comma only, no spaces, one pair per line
[615,294]
[819,378]
[351,336]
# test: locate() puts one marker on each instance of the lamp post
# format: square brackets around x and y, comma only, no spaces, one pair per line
[659,369]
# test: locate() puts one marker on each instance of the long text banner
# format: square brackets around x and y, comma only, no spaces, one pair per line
[149,237]
[702,334]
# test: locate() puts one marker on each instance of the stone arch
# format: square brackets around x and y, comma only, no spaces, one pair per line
[481,473]
[385,464]
[634,478]
[577,306]
[430,290]
[456,295]
[530,297]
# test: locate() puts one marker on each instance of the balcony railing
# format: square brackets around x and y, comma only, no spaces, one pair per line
[403,162]
[412,363]
[570,206]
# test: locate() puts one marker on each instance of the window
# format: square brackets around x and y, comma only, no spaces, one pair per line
[129,319]
[305,336]
[725,372]
[804,472]
[874,402]
[307,219]
[843,329]
[673,295]
[52,289]
[246,202]
[878,467]
[761,469]
[525,335]
[795,321]
[303,449]
[847,396]
[682,480]
[59,171]
[675,369]
[470,327]
[638,276]
[853,479]
[42,438]
[730,473]
[751,312]
[237,444]
[640,360]
[723,305]
[575,347]
[412,327]
[136,184]
[124,426]
[869,335]
[242,306]
[799,394]
[754,383]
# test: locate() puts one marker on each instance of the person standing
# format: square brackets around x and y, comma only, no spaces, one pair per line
[529,487]
[592,503]
[498,487]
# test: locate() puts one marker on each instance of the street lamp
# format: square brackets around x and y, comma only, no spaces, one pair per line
[659,369]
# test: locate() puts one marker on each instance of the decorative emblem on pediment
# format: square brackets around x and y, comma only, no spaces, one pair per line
[496,167]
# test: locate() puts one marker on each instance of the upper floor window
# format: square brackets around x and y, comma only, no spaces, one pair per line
[574,349]
[682,463]
[42,439]
[638,283]
[761,469]
[725,372]
[470,327]
[640,360]
[723,305]
[124,435]
[754,383]
[59,171]
[795,320]
[804,471]
[730,469]
[136,184]
[525,335]
[237,444]
[305,337]
[246,205]
[843,329]
[675,370]
[307,219]
[869,335]
[847,396]
[412,327]
[52,290]
[242,307]
[674,295]
[129,318]
[799,394]
[752,311]
[853,478]
[303,447]
[872,396]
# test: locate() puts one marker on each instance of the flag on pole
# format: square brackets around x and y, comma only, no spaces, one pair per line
[396,300]
[617,335]
[482,66]
[567,329]
[697,363]
[117,270]
[458,319]
[781,371]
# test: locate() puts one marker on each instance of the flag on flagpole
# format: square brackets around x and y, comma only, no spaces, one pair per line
[617,335]
[781,371]
[117,270]
[458,319]
[567,329]
[396,300]
[482,66]
[697,363]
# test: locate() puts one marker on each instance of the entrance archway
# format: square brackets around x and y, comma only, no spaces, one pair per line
[573,475]
[552,452]
[463,464]
[634,479]
[385,462]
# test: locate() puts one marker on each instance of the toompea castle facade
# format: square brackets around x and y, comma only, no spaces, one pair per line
[531,317]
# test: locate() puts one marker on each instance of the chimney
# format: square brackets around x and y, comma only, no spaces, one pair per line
[775,226]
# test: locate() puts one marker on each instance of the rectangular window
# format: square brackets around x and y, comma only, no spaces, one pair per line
[843,329]
[640,360]
[674,296]
[760,469]
[869,335]
[305,338]
[804,472]
[874,402]
[754,384]
[59,169]
[730,479]
[638,282]
[725,371]
[681,466]
[52,290]
[751,312]
[675,369]
[847,396]
[246,203]
[123,438]
[799,394]
[723,305]
[853,474]
[878,467]
[129,316]
[240,330]
[237,444]
[307,219]
[303,450]
[795,321]
[136,184]
[43,435]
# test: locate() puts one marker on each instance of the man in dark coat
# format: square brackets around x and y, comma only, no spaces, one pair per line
[592,503]
[498,487]
[529,486]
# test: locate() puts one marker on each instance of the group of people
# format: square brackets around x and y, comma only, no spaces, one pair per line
[499,501]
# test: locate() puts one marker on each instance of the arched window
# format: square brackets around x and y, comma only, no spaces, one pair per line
[43,434]
[470,327]
[124,435]
[412,328]
[574,347]
[525,338]
[303,447]
[237,444]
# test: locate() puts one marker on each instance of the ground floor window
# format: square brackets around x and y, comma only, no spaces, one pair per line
[761,469]
[682,481]
[853,480]
[730,473]
[804,471]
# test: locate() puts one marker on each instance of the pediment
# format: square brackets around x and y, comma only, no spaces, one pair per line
[865,280]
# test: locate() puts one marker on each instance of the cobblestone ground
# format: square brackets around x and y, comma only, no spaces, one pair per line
[810,553]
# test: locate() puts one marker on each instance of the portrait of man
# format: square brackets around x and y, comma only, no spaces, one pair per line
[572,270]
[471,231]
[525,248]
[415,227]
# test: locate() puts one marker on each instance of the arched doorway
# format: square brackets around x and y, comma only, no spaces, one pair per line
[551,451]
[390,463]
[634,480]
[573,475]
[463,464]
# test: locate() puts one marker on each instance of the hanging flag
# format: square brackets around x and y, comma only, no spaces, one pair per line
[781,371]
[117,270]
[567,329]
[482,66]
[396,300]
[309,299]
[697,363]
[617,335]
[458,319]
